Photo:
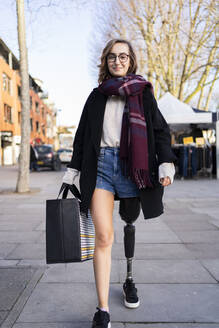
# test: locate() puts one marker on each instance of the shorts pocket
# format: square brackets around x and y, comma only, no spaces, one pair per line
[101,155]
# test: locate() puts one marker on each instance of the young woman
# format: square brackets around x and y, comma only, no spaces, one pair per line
[122,149]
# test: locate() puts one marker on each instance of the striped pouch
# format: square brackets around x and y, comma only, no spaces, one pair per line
[87,234]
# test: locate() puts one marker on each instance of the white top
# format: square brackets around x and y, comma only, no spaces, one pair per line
[112,123]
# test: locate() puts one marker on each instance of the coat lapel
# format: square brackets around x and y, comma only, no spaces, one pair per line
[96,117]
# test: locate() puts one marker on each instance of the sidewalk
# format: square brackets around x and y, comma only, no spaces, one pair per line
[176,264]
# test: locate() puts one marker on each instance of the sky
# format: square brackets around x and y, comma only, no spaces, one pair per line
[58,51]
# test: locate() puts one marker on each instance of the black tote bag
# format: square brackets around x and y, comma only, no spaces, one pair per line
[70,235]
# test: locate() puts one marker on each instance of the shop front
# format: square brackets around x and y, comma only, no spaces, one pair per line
[194,136]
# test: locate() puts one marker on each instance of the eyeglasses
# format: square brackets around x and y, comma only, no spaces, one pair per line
[122,57]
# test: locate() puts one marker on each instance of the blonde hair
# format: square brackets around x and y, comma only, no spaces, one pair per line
[104,73]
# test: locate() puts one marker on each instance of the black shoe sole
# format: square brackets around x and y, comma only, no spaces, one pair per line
[130,305]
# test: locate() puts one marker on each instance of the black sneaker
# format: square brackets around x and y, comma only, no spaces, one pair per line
[131,300]
[101,319]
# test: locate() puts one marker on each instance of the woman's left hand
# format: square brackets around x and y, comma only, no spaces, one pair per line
[166,173]
[165,181]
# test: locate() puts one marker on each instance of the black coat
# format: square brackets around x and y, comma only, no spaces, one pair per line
[86,147]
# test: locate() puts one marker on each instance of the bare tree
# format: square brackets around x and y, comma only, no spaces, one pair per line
[23,170]
[176,42]
[24,157]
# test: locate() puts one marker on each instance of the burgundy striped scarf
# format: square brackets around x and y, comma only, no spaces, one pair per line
[134,140]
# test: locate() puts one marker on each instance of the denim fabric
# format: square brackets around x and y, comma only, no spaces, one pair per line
[109,174]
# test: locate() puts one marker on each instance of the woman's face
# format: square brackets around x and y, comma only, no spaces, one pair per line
[118,60]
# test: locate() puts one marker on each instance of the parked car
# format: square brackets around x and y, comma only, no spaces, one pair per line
[47,157]
[65,154]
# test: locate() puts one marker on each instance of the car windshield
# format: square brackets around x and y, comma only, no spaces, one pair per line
[43,149]
[64,150]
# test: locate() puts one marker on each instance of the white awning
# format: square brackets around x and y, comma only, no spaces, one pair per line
[177,112]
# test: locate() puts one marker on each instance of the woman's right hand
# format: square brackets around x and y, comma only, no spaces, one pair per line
[69,176]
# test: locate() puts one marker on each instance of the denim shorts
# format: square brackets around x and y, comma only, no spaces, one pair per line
[109,174]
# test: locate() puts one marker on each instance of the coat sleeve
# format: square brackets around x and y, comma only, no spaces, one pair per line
[162,136]
[76,159]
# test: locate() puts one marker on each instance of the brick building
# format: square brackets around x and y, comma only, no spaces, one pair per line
[42,115]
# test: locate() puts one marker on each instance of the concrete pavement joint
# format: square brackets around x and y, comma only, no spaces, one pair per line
[22,299]
[211,274]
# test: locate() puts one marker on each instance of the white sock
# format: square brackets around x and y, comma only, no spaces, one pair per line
[104,309]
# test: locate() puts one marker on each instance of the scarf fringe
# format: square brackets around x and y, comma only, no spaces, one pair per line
[139,176]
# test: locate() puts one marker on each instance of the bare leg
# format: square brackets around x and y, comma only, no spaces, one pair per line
[101,208]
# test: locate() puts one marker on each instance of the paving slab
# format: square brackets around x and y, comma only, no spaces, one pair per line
[145,225]
[31,206]
[55,302]
[76,272]
[62,325]
[19,236]
[144,236]
[42,237]
[167,271]
[210,211]
[191,225]
[6,248]
[175,210]
[3,315]
[215,221]
[185,217]
[210,237]
[41,226]
[203,202]
[213,267]
[6,263]
[20,216]
[60,302]
[172,325]
[18,226]
[12,282]
[154,251]
[204,250]
[169,303]
[28,251]
[33,263]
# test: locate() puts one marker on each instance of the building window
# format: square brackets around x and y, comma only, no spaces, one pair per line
[43,131]
[37,107]
[31,124]
[31,102]
[7,113]
[6,83]
[19,117]
[37,127]
[19,92]
[42,111]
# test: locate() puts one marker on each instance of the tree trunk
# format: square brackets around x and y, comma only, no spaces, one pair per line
[24,158]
